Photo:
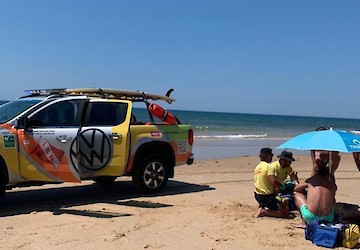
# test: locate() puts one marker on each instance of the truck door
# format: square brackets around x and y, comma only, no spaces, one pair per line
[104,138]
[46,144]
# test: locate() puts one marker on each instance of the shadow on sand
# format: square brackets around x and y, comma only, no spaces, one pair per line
[59,200]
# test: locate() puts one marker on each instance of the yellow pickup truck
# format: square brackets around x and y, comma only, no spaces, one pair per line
[70,135]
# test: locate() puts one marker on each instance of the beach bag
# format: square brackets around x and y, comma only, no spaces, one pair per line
[351,234]
[325,236]
[322,233]
[310,230]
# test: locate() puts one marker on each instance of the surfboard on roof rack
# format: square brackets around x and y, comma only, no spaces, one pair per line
[122,93]
[115,93]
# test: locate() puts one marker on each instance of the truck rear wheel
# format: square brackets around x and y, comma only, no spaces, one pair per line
[4,179]
[151,174]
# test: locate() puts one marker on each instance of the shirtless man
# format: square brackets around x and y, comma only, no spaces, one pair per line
[315,197]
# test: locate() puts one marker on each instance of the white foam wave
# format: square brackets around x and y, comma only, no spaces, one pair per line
[230,137]
[201,127]
[355,131]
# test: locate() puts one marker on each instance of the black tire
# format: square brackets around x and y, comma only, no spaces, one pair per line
[4,177]
[151,174]
[105,180]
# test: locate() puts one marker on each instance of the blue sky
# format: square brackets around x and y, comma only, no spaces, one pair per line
[255,56]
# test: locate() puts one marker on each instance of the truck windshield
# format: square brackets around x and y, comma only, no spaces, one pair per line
[11,109]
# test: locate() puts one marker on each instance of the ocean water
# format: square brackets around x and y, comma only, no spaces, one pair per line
[222,135]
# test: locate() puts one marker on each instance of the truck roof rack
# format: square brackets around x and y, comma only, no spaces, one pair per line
[105,93]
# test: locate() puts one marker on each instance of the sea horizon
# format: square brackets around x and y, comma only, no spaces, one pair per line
[226,134]
[244,113]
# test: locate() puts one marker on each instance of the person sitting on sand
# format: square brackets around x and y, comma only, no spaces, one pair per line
[315,198]
[264,188]
[281,169]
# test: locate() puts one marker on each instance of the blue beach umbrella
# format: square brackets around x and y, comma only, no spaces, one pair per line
[329,140]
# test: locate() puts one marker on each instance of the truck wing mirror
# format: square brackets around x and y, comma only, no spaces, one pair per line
[22,122]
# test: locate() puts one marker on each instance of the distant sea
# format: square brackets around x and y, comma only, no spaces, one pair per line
[225,135]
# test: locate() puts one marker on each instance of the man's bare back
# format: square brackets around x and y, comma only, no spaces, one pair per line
[315,197]
[320,195]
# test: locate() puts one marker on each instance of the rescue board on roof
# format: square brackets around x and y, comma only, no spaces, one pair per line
[119,93]
[103,92]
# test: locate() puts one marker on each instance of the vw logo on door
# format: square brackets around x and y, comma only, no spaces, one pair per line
[92,150]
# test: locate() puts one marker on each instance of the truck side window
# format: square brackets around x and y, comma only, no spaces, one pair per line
[107,113]
[60,114]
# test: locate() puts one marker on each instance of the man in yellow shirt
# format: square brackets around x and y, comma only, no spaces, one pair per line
[264,188]
[281,169]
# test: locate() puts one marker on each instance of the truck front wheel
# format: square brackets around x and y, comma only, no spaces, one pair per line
[150,174]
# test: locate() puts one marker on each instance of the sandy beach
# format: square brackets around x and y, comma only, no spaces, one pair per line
[208,205]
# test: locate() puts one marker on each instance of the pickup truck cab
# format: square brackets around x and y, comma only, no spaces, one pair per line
[70,135]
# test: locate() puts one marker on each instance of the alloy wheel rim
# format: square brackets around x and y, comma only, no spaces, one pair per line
[154,175]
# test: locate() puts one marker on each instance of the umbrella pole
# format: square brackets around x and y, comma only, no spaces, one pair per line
[330,164]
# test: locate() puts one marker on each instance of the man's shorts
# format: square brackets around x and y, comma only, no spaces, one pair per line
[267,201]
[309,216]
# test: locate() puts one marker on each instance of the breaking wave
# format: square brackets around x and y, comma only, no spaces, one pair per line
[230,137]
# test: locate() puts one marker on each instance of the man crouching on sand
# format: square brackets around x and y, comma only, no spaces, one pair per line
[264,183]
[315,197]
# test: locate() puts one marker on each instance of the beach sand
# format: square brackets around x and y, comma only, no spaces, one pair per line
[208,205]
